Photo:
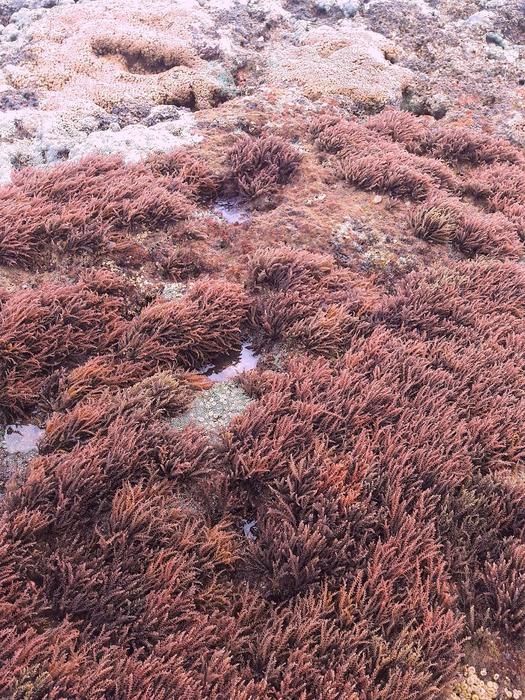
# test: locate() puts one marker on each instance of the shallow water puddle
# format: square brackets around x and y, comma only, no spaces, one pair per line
[250,530]
[232,211]
[229,367]
[20,438]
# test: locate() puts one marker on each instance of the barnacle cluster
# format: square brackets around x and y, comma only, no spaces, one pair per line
[480,686]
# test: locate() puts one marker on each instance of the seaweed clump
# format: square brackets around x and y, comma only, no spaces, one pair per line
[54,327]
[439,170]
[95,205]
[388,525]
[259,165]
[90,330]
[449,220]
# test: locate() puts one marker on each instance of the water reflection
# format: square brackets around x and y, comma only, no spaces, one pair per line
[232,210]
[229,367]
[19,438]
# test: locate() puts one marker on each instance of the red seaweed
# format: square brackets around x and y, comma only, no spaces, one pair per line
[357,523]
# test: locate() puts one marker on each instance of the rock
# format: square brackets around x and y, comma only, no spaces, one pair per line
[24,17]
[108,53]
[136,141]
[349,62]
[403,19]
[10,32]
[348,8]
[75,133]
[497,39]
[12,100]
[162,113]
[421,102]
[482,19]
[269,11]
[215,408]
[174,290]
[438,105]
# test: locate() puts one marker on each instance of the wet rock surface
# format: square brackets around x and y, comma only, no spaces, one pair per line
[21,439]
[232,210]
[319,67]
[228,368]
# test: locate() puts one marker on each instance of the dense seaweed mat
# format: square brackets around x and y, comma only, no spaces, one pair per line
[381,459]
[470,185]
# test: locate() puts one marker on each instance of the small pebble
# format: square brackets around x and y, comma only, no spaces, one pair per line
[493,38]
[10,32]
[377,199]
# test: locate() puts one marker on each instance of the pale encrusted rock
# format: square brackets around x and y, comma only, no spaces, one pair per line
[213,409]
[108,52]
[136,141]
[345,62]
